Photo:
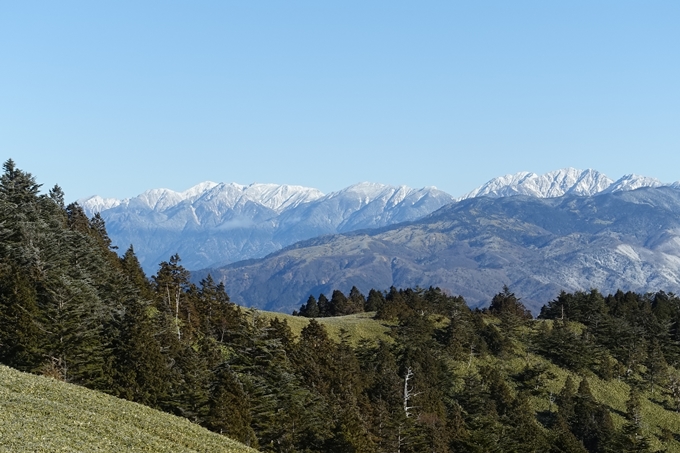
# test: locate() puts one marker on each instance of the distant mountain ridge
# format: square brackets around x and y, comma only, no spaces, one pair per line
[213,224]
[626,239]
[567,181]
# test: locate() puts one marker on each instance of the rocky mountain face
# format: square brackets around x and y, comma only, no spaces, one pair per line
[616,239]
[213,224]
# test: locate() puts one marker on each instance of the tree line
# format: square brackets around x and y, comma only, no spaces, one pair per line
[446,378]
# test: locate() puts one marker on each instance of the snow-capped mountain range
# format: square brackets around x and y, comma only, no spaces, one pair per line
[213,224]
[628,240]
[568,181]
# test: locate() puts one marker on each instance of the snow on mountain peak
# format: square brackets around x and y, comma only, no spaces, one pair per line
[96,204]
[281,196]
[198,190]
[549,185]
[632,182]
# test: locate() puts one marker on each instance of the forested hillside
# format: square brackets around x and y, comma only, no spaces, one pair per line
[596,373]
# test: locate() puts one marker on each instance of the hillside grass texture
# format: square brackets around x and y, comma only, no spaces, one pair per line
[40,414]
[359,326]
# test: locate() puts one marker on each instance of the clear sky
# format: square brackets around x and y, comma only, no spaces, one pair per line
[113,98]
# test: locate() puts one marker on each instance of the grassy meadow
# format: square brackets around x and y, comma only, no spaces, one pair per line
[359,326]
[39,414]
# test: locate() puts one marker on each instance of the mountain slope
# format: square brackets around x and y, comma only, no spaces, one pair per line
[537,246]
[222,223]
[42,414]
[214,224]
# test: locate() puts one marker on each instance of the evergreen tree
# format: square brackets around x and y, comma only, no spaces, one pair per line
[374,301]
[566,400]
[562,440]
[325,308]
[57,195]
[656,366]
[142,371]
[132,270]
[591,423]
[632,438]
[509,309]
[16,186]
[19,332]
[310,309]
[170,283]
[340,306]
[229,411]
[356,300]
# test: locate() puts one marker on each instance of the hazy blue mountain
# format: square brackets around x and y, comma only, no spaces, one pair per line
[214,224]
[627,239]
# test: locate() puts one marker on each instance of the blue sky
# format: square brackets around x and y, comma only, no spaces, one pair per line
[114,98]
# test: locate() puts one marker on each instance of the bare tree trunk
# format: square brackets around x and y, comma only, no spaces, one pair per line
[408,392]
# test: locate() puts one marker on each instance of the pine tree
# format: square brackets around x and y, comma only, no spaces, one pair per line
[141,369]
[356,300]
[632,438]
[374,301]
[509,309]
[310,309]
[57,195]
[132,269]
[525,434]
[171,283]
[340,306]
[325,308]
[591,423]
[229,411]
[566,400]
[16,186]
[19,332]
[562,440]
[656,366]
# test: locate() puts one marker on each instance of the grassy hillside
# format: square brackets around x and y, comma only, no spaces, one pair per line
[39,414]
[359,325]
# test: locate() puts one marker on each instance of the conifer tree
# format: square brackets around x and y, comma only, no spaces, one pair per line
[141,369]
[229,411]
[339,304]
[310,309]
[16,186]
[566,400]
[656,366]
[170,283]
[562,440]
[591,423]
[356,300]
[632,438]
[57,195]
[19,332]
[374,301]
[132,270]
[325,308]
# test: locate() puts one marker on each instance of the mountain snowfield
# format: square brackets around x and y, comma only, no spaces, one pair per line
[213,224]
